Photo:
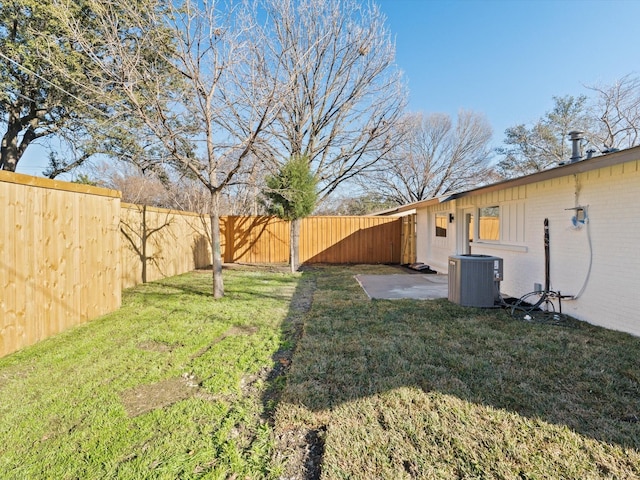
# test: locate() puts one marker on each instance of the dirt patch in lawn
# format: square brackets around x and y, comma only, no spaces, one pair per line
[154,346]
[145,398]
[13,374]
[240,330]
[303,450]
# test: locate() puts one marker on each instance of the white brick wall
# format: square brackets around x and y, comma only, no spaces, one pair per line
[612,196]
[431,250]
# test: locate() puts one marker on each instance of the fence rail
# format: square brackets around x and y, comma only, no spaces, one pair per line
[68,250]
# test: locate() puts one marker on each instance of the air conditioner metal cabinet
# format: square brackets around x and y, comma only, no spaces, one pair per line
[474,280]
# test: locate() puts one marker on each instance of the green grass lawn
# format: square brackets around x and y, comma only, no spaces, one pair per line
[170,386]
[176,385]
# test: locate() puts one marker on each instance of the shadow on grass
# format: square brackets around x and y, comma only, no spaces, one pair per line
[236,291]
[303,448]
[585,377]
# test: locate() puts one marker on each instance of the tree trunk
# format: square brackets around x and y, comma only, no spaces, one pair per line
[216,260]
[144,244]
[294,244]
[9,150]
[12,149]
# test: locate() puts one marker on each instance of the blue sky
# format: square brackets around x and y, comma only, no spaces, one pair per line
[508,58]
[503,58]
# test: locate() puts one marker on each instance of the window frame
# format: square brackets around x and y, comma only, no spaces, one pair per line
[478,227]
[439,229]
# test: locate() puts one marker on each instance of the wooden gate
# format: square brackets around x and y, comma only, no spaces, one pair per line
[408,240]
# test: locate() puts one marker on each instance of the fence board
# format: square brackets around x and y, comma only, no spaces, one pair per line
[322,240]
[8,335]
[254,239]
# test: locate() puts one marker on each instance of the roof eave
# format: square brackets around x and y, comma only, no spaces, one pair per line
[601,161]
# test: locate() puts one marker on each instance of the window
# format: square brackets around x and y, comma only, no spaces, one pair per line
[489,223]
[441,224]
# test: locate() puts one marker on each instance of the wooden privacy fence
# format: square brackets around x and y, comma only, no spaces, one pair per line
[68,250]
[254,239]
[59,257]
[322,240]
[177,242]
[350,240]
[157,243]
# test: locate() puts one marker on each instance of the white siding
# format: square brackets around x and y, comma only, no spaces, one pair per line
[512,222]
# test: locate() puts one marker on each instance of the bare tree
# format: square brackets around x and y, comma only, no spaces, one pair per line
[135,185]
[610,120]
[617,114]
[121,138]
[209,115]
[436,157]
[241,198]
[343,93]
[362,204]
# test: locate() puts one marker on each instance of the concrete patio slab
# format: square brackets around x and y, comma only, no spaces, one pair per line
[412,286]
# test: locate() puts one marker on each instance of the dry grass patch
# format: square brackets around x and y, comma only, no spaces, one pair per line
[428,389]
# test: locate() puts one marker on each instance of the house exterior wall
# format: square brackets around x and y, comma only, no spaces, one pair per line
[432,250]
[599,257]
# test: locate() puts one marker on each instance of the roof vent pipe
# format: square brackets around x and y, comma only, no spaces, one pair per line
[576,148]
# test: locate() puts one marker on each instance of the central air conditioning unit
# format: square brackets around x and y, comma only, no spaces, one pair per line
[474,280]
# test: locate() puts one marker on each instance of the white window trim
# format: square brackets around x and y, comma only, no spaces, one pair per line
[500,246]
[476,234]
